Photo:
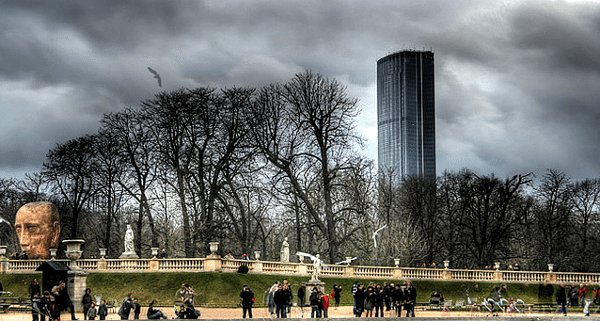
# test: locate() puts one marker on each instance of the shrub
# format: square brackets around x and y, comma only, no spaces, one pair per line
[243,269]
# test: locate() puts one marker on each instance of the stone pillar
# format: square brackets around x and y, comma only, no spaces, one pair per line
[154,264]
[102,264]
[303,269]
[76,285]
[349,271]
[398,273]
[258,267]
[212,263]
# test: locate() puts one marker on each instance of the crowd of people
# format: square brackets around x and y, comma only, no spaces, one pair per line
[50,304]
[389,297]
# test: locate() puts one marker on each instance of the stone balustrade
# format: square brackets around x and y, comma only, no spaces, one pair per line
[215,263]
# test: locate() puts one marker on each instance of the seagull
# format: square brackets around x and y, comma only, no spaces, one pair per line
[375,234]
[348,261]
[312,257]
[156,75]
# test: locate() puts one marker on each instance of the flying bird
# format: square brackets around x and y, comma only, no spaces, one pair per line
[375,234]
[156,75]
[312,257]
[348,261]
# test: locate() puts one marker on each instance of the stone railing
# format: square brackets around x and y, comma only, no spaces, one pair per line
[216,263]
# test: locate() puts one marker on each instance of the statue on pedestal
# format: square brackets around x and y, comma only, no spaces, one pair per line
[285,251]
[129,252]
[317,265]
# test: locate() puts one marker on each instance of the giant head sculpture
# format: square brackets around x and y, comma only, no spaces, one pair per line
[38,228]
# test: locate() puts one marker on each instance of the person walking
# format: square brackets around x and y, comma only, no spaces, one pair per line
[247,301]
[561,299]
[63,299]
[86,302]
[410,299]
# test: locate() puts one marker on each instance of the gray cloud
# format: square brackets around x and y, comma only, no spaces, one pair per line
[517,82]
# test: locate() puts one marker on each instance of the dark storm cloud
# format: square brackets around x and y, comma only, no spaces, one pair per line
[517,81]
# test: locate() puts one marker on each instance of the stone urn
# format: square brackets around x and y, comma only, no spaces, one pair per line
[301,258]
[257,255]
[497,266]
[73,251]
[446,264]
[53,252]
[214,248]
[3,251]
[397,262]
[550,267]
[102,252]
[154,251]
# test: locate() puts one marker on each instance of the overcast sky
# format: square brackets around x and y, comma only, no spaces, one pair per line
[517,82]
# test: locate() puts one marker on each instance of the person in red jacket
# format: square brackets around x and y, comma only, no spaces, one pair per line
[582,294]
[325,303]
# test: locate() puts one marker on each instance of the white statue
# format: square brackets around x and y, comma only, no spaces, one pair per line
[317,265]
[285,251]
[129,240]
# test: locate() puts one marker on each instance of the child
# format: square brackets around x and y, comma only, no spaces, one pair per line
[35,307]
[91,312]
[102,310]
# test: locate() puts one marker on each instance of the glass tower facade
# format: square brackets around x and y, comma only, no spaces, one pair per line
[406,114]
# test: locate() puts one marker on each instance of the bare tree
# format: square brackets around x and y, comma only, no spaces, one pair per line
[586,206]
[70,168]
[551,219]
[305,129]
[135,152]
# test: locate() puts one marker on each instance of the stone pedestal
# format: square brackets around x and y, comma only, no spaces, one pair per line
[76,285]
[129,255]
[213,263]
[310,285]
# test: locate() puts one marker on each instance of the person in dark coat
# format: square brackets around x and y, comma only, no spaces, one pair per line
[102,310]
[410,299]
[561,299]
[137,307]
[34,288]
[247,301]
[64,299]
[281,299]
[315,302]
[337,294]
[398,299]
[86,302]
[44,306]
[359,297]
[155,313]
[126,306]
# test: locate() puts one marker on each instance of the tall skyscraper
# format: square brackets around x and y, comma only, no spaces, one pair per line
[406,114]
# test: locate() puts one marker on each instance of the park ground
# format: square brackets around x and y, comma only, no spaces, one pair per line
[262,313]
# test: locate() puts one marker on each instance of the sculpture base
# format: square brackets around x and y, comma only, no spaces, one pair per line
[126,255]
[312,284]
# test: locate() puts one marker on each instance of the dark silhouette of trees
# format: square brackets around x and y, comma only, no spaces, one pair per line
[71,169]
[305,129]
